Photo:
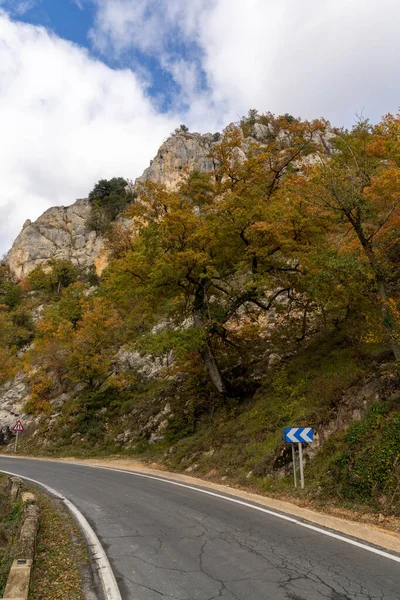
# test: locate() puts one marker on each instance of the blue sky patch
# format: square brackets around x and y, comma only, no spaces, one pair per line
[64,17]
[72,20]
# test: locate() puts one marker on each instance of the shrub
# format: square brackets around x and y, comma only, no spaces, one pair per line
[108,199]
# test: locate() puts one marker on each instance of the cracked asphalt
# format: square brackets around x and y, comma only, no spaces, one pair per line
[165,541]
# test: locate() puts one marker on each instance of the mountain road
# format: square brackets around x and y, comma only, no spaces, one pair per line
[182,542]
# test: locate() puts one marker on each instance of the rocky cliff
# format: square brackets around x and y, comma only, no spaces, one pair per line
[61,232]
[178,155]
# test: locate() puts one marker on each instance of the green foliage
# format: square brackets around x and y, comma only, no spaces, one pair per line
[10,521]
[91,277]
[368,467]
[10,292]
[247,123]
[289,118]
[23,327]
[182,129]
[12,295]
[62,274]
[108,199]
[58,274]
[106,188]
[182,342]
[70,306]
[39,279]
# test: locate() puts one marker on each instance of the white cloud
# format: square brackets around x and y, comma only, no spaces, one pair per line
[66,120]
[168,30]
[19,7]
[146,25]
[312,58]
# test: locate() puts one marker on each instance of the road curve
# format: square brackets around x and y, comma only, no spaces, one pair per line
[173,542]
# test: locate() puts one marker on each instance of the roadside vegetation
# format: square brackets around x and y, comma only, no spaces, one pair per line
[61,569]
[61,564]
[10,523]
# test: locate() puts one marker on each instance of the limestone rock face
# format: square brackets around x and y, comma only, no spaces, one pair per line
[181,153]
[13,396]
[148,366]
[60,233]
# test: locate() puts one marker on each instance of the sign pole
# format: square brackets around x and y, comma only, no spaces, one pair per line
[293,436]
[294,466]
[16,442]
[301,465]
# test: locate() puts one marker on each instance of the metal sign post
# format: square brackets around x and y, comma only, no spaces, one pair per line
[294,466]
[299,436]
[301,466]
[17,428]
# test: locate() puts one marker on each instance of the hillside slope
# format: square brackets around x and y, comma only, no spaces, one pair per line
[251,285]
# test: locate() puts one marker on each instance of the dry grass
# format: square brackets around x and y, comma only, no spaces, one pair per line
[61,554]
[10,522]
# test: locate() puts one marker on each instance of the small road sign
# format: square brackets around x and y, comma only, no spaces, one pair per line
[18,427]
[298,435]
[295,435]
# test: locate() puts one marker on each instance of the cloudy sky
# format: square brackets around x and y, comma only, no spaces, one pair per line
[91,88]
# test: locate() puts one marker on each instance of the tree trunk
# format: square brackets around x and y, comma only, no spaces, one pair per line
[213,370]
[207,353]
[209,359]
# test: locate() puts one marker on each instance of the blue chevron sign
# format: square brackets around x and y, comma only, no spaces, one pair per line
[295,435]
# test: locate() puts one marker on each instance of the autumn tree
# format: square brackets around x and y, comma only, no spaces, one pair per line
[222,241]
[118,240]
[359,186]
[54,276]
[7,347]
[98,336]
[173,263]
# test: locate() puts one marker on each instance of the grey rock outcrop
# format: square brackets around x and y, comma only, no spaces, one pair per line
[181,153]
[60,233]
[146,365]
[13,396]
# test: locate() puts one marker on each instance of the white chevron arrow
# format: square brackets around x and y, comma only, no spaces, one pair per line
[305,435]
[290,435]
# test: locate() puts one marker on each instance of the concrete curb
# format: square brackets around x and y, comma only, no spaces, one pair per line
[18,581]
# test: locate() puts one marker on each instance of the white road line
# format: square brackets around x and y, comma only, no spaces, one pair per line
[331,534]
[107,578]
[267,511]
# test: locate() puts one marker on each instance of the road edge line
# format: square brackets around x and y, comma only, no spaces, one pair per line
[106,574]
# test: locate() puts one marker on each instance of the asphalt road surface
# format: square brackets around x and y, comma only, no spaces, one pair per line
[165,541]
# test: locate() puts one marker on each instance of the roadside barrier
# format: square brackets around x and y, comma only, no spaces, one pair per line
[18,581]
